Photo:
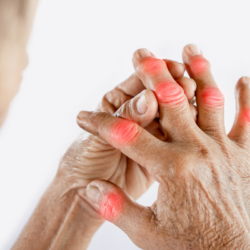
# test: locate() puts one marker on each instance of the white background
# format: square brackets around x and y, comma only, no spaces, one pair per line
[81,49]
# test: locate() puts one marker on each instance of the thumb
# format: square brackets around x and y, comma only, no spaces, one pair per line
[142,109]
[116,206]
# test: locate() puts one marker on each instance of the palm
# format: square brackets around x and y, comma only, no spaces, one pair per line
[96,159]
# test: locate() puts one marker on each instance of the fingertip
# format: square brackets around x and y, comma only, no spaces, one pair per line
[241,128]
[83,116]
[190,50]
[243,92]
[176,69]
[243,82]
[141,109]
[194,59]
[243,95]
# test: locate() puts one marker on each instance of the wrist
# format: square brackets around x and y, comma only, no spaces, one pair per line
[70,188]
[58,222]
[79,207]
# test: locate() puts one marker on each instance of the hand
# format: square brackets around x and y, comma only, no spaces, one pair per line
[90,157]
[203,197]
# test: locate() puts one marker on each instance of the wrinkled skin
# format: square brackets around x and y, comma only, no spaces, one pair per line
[203,196]
[90,157]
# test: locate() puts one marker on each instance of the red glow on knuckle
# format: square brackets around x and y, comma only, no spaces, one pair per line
[124,132]
[212,97]
[111,206]
[199,65]
[170,93]
[152,65]
[245,116]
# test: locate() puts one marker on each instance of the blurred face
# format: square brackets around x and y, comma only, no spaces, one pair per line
[13,61]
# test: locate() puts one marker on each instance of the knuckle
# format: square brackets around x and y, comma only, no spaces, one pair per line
[151,65]
[199,65]
[124,132]
[111,206]
[212,97]
[169,92]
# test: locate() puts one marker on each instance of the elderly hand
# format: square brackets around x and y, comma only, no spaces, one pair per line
[203,174]
[91,157]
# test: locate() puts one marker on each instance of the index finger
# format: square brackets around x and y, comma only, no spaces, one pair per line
[131,139]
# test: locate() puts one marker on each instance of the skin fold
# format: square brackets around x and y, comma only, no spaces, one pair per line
[203,196]
[63,218]
[144,130]
[89,158]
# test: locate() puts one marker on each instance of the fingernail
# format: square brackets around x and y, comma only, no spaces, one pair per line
[142,105]
[144,53]
[93,193]
[84,115]
[190,51]
[246,80]
[194,50]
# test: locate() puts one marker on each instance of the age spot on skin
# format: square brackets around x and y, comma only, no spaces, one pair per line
[124,132]
[153,66]
[170,93]
[199,65]
[112,206]
[212,97]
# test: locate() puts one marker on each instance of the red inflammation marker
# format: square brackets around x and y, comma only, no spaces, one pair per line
[111,206]
[153,66]
[212,97]
[169,92]
[199,65]
[245,115]
[124,132]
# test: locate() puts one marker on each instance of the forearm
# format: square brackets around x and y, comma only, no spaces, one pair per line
[60,221]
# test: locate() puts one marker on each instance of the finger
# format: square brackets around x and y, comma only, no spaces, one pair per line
[142,109]
[176,69]
[241,129]
[210,101]
[154,128]
[194,111]
[131,139]
[132,87]
[113,100]
[173,104]
[188,85]
[114,205]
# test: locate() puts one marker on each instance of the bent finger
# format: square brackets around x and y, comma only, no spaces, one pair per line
[114,205]
[173,104]
[142,109]
[131,139]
